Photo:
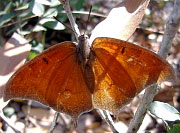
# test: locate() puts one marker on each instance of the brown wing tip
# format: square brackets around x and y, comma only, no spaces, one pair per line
[168,74]
[6,95]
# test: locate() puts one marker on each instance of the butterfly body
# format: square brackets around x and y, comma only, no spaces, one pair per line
[74,79]
[83,48]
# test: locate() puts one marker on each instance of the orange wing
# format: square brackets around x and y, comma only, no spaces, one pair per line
[122,70]
[53,78]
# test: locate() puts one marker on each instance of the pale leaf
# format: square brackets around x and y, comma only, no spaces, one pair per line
[12,56]
[122,20]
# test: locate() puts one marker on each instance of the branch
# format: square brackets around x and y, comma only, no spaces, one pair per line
[172,26]
[8,122]
[53,125]
[16,22]
[27,115]
[74,26]
[106,116]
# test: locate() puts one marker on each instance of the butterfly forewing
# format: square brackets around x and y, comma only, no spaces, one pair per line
[53,78]
[129,68]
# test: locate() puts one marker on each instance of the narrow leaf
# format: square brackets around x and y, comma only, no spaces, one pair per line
[164,111]
[38,28]
[52,24]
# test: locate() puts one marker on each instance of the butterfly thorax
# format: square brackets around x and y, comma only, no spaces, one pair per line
[83,49]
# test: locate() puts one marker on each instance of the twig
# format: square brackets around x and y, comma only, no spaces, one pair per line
[141,111]
[74,26]
[19,21]
[9,123]
[172,26]
[87,13]
[106,116]
[53,125]
[27,115]
[63,121]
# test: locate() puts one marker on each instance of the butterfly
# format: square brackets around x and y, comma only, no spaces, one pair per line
[74,79]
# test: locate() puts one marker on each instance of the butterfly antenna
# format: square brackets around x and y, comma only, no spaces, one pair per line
[67,26]
[87,22]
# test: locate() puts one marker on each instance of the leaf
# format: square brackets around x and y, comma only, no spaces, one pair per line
[52,24]
[7,9]
[79,4]
[38,28]
[33,54]
[122,20]
[51,12]
[9,111]
[24,32]
[36,8]
[37,46]
[6,18]
[43,2]
[175,129]
[12,56]
[55,3]
[164,111]
[24,7]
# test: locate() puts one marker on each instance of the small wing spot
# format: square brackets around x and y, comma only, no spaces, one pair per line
[129,60]
[123,49]
[45,60]
[67,94]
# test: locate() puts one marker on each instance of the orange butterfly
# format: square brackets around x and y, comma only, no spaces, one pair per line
[75,79]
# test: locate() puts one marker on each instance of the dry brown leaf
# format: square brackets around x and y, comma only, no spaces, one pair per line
[12,56]
[166,95]
[122,20]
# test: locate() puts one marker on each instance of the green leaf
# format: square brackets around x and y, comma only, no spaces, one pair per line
[51,12]
[24,32]
[37,46]
[2,13]
[36,8]
[8,7]
[164,111]
[32,54]
[79,4]
[175,129]
[24,7]
[25,15]
[52,24]
[6,18]
[44,2]
[9,111]
[55,3]
[38,28]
